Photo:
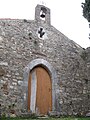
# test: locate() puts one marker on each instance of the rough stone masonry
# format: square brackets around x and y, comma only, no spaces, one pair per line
[25,44]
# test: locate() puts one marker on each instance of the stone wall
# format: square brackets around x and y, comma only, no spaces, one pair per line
[87,80]
[20,43]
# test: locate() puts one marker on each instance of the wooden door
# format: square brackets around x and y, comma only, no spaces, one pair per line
[43,100]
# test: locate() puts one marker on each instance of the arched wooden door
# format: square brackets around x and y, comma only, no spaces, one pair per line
[39,91]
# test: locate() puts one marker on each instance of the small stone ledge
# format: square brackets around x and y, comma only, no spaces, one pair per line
[26,114]
[88,114]
[33,115]
[54,114]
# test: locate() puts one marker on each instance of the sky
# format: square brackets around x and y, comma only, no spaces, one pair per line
[66,16]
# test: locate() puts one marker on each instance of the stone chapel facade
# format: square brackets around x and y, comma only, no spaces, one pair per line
[41,70]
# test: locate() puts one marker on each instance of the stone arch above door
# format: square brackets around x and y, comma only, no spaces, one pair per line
[34,63]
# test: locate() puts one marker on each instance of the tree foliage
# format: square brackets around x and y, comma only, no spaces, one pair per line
[86,9]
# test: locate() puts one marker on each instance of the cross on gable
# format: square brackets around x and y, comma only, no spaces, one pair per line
[41,32]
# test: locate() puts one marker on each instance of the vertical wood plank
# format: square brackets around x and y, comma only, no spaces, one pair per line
[29,92]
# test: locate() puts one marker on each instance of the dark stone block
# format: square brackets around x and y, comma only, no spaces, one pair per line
[2,72]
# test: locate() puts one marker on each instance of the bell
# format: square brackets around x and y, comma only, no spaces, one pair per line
[42,15]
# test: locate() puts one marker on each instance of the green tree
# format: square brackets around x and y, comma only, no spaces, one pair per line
[86,9]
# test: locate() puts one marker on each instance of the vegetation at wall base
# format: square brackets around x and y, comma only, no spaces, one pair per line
[50,118]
